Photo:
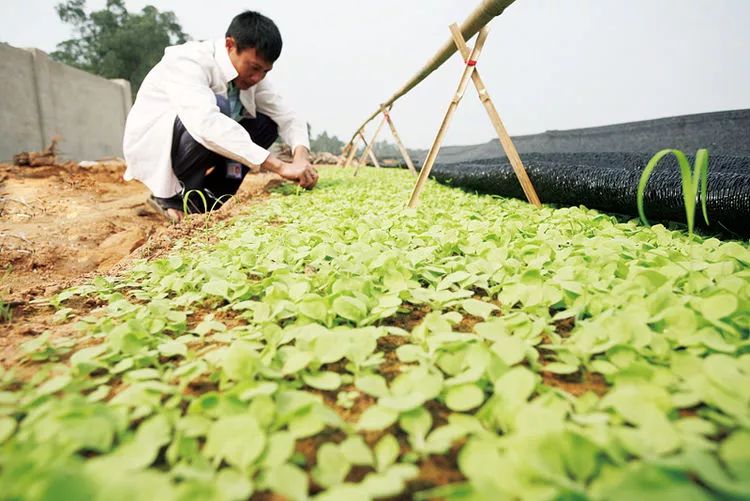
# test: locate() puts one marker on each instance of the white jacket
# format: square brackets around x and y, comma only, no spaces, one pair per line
[184,84]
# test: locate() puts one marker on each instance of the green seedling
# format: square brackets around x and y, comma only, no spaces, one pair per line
[526,353]
[694,185]
[218,202]
[6,312]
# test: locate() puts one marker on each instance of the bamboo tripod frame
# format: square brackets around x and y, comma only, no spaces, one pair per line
[399,143]
[368,149]
[470,72]
[344,155]
[350,149]
[482,15]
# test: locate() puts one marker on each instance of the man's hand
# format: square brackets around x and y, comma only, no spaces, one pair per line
[301,172]
[302,156]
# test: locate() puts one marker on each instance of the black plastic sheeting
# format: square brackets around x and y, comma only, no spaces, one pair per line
[609,182]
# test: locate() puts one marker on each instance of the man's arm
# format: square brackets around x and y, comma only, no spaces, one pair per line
[292,130]
[301,153]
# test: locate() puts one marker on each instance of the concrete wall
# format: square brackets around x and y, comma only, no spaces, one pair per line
[41,98]
[723,133]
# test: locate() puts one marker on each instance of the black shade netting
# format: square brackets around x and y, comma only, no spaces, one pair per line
[609,182]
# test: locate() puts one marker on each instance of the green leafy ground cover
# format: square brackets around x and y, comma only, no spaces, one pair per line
[333,344]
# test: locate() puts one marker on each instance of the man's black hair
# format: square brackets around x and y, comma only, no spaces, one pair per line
[254,30]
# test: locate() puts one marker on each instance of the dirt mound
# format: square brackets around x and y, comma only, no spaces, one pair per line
[59,222]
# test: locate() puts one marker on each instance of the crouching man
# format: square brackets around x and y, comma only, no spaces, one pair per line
[205,116]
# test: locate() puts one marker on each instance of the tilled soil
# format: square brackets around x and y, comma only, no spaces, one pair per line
[63,224]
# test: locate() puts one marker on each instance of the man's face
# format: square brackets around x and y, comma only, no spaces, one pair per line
[250,66]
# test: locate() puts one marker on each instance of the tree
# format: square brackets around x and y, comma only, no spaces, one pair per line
[324,142]
[384,149]
[115,43]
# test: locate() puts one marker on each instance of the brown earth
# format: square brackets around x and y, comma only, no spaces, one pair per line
[63,224]
[60,222]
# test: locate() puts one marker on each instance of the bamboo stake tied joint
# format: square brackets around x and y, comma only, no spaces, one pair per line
[470,72]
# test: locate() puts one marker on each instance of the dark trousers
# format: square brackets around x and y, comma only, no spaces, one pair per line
[191,161]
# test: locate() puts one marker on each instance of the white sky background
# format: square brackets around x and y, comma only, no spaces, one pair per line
[549,64]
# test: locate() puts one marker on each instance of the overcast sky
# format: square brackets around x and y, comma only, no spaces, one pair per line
[549,64]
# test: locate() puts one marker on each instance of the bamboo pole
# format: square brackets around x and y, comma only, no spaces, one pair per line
[362,137]
[399,143]
[463,83]
[374,159]
[479,17]
[372,155]
[371,145]
[352,152]
[344,154]
[502,133]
